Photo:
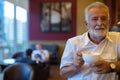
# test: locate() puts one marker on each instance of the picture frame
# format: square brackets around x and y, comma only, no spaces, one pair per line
[35,32]
[56,16]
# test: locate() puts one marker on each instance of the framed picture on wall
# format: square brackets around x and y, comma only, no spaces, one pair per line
[55,16]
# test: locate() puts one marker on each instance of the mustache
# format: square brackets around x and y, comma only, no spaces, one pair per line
[100,27]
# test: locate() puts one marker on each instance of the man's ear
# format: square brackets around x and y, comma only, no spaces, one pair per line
[85,22]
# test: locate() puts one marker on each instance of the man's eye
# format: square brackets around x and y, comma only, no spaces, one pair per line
[104,18]
[94,19]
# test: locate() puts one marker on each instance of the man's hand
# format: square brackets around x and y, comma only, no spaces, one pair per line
[101,67]
[78,61]
[73,69]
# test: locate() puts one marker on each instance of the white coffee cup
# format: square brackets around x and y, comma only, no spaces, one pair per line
[90,57]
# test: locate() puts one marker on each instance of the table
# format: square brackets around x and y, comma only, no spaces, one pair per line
[6,62]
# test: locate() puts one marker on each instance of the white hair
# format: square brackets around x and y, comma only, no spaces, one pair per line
[95,5]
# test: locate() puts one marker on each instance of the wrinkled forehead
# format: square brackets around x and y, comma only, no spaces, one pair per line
[98,8]
[98,11]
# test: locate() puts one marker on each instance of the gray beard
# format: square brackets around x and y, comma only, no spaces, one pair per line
[98,34]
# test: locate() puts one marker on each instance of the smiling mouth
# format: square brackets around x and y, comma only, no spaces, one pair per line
[99,29]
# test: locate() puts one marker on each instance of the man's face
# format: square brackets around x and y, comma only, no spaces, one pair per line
[97,23]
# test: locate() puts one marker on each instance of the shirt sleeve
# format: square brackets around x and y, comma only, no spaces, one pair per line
[118,46]
[47,55]
[39,53]
[33,54]
[68,54]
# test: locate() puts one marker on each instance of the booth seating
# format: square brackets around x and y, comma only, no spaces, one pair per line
[52,48]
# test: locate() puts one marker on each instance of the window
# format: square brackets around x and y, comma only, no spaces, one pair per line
[15,27]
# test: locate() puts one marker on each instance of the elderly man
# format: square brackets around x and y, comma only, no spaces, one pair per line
[96,39]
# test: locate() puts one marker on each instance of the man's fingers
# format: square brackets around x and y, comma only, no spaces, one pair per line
[79,54]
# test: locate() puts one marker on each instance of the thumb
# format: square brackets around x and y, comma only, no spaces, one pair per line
[79,53]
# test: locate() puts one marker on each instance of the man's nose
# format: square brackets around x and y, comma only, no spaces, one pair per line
[99,22]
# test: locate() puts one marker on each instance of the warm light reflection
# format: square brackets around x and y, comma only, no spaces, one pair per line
[8,10]
[21,14]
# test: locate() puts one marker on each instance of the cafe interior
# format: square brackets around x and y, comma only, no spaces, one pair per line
[23,24]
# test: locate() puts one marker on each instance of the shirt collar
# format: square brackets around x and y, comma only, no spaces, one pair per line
[108,38]
[87,40]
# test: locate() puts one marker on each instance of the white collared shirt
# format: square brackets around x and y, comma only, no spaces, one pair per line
[109,48]
[44,55]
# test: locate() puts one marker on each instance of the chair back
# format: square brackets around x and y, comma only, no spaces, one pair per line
[18,71]
[18,55]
